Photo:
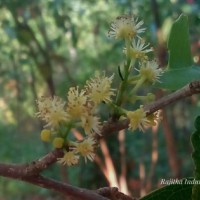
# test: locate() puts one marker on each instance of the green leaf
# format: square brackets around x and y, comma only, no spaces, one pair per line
[172,192]
[176,78]
[181,70]
[179,45]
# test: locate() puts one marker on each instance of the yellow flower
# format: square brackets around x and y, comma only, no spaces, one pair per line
[138,50]
[125,27]
[51,110]
[99,89]
[86,149]
[76,102]
[137,119]
[69,158]
[154,118]
[150,71]
[91,124]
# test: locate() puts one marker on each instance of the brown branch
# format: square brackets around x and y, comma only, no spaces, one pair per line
[19,172]
[66,189]
[29,173]
[34,168]
[186,91]
[113,193]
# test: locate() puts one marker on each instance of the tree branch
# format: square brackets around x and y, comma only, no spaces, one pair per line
[64,188]
[30,169]
[113,193]
[30,173]
[186,91]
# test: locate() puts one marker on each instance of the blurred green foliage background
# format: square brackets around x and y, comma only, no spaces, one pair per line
[48,46]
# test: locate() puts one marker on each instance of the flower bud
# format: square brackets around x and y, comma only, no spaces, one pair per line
[45,135]
[58,142]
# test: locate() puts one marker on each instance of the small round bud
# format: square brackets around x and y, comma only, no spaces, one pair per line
[45,135]
[58,142]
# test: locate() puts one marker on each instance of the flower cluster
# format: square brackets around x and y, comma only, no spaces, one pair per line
[129,29]
[78,111]
[138,119]
[138,50]
[80,108]
[85,149]
[51,110]
[99,89]
[126,27]
[150,71]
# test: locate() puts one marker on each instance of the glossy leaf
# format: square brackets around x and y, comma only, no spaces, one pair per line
[171,192]
[177,78]
[181,70]
[178,44]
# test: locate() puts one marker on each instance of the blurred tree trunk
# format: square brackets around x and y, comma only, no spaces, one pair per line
[171,147]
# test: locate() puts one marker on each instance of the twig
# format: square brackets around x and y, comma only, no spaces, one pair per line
[28,174]
[186,91]
[66,189]
[113,193]
[34,168]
